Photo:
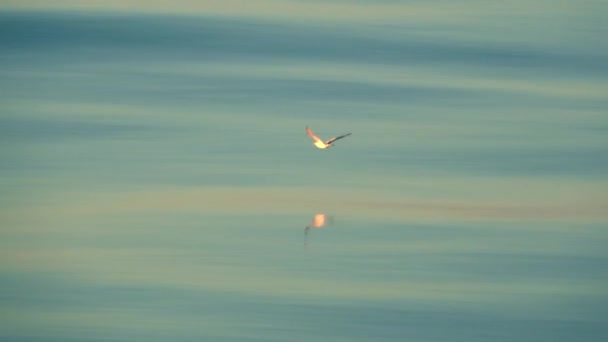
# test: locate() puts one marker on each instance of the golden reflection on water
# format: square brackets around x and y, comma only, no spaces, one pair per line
[318,221]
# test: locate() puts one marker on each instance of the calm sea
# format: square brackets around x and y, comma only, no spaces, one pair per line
[156,180]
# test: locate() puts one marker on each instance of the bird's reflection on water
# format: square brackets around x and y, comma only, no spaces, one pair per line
[318,221]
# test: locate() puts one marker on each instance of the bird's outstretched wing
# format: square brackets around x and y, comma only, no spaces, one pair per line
[336,138]
[312,135]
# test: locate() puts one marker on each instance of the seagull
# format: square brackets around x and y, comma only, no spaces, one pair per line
[323,144]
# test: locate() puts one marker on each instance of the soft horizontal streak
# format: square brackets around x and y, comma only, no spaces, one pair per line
[115,266]
[416,11]
[519,202]
[81,323]
[419,76]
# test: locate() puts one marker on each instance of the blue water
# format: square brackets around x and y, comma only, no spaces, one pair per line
[156,179]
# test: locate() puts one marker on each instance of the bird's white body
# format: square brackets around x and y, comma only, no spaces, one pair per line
[319,143]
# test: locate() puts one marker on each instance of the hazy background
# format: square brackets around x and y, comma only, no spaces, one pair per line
[156,179]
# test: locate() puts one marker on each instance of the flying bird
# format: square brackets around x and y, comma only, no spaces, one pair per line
[319,143]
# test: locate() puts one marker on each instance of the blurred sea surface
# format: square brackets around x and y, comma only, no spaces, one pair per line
[157,183]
